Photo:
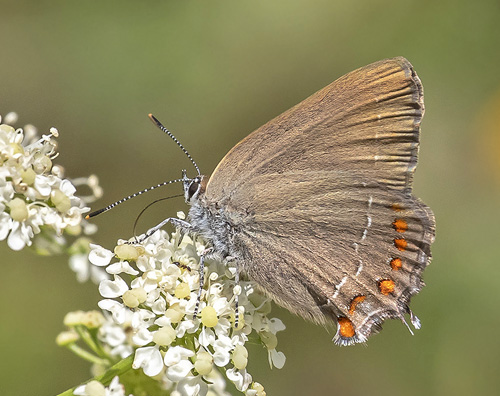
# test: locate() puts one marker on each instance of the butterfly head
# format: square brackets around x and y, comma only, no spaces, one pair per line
[193,187]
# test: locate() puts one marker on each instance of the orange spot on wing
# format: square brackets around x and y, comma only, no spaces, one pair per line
[355,301]
[386,286]
[396,207]
[346,328]
[396,263]
[401,244]
[400,225]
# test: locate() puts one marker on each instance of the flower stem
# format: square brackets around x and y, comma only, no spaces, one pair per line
[79,351]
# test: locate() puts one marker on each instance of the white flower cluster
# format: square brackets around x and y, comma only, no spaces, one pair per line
[153,315]
[32,193]
[37,205]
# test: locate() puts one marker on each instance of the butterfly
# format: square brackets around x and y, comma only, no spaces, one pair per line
[316,206]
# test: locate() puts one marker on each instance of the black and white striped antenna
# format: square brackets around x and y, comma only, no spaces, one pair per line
[130,197]
[159,125]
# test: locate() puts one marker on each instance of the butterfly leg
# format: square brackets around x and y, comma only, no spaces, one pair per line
[236,296]
[236,290]
[202,279]
[184,226]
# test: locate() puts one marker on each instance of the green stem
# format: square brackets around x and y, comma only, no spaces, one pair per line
[79,351]
[89,340]
[119,368]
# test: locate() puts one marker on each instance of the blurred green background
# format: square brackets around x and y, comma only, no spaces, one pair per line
[212,72]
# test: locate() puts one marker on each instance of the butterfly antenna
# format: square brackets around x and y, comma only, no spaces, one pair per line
[159,125]
[130,197]
[148,206]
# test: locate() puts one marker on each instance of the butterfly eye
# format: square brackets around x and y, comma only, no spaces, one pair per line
[193,188]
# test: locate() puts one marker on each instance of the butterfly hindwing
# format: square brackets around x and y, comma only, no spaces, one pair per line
[327,246]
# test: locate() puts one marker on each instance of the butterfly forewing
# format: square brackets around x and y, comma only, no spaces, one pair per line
[366,122]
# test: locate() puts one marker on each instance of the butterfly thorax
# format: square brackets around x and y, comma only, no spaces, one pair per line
[213,223]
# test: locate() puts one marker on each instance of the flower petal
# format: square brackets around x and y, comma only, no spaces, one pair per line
[192,386]
[113,289]
[179,371]
[240,378]
[120,267]
[100,256]
[149,359]
[175,354]
[278,359]
[142,337]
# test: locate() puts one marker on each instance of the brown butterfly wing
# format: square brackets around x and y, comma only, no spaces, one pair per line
[367,121]
[321,198]
[329,246]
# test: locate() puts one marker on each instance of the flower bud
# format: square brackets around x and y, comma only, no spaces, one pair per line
[95,388]
[182,290]
[164,336]
[174,313]
[269,339]
[126,252]
[204,363]
[73,318]
[209,317]
[93,319]
[133,297]
[60,200]
[259,388]
[18,210]
[28,176]
[67,337]
[42,164]
[240,357]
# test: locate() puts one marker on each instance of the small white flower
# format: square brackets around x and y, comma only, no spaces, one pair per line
[81,265]
[116,338]
[223,347]
[179,370]
[192,386]
[5,225]
[100,256]
[142,337]
[20,235]
[149,359]
[121,267]
[141,318]
[113,288]
[176,354]
[240,378]
[115,388]
[206,337]
[178,365]
[42,185]
[121,314]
